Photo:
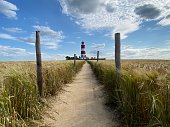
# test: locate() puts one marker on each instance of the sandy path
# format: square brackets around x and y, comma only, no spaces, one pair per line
[81,106]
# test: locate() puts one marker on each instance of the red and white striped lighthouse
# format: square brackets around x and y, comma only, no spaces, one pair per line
[83,52]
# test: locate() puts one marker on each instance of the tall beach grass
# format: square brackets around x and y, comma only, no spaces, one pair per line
[19,98]
[143,95]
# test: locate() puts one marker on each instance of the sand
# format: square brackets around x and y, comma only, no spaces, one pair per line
[80,105]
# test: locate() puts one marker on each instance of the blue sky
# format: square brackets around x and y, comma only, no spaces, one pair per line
[63,24]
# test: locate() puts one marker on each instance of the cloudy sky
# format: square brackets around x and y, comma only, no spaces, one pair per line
[144,26]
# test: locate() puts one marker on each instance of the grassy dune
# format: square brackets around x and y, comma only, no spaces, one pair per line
[19,99]
[143,95]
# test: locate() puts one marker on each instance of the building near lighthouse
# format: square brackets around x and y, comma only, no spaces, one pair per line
[83,55]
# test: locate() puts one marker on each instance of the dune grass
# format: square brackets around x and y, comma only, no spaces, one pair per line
[19,99]
[143,95]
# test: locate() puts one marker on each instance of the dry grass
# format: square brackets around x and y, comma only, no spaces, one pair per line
[19,99]
[143,95]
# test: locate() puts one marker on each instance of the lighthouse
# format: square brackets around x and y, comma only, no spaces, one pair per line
[83,52]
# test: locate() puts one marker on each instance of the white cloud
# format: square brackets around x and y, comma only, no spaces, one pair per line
[129,52]
[93,53]
[117,15]
[49,38]
[13,29]
[47,31]
[71,42]
[98,46]
[12,54]
[8,9]
[168,43]
[88,33]
[102,54]
[29,40]
[7,36]
[50,45]
[9,51]
[125,28]
[165,22]
[46,56]
[154,29]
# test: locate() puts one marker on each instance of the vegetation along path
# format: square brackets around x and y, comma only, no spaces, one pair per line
[82,104]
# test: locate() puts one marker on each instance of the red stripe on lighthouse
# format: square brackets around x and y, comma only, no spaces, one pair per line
[82,46]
